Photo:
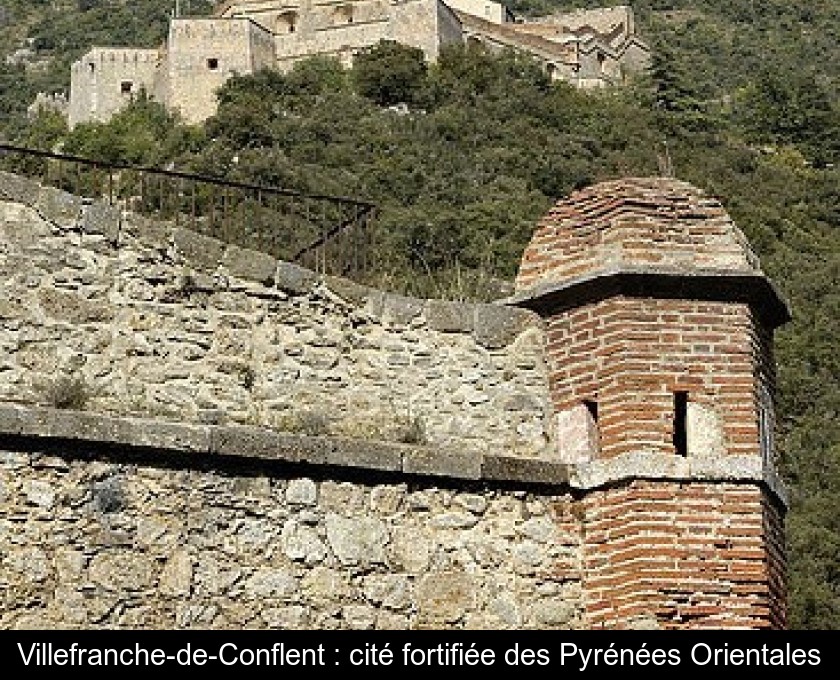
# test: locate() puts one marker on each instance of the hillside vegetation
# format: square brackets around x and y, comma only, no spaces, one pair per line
[463,157]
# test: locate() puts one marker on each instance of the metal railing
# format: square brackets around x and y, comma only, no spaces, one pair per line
[328,234]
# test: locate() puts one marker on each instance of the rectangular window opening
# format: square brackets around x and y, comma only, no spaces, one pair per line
[126,86]
[213,64]
[680,420]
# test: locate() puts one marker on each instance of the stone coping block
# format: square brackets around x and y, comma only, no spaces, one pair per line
[18,188]
[251,265]
[458,464]
[532,471]
[102,219]
[246,442]
[650,465]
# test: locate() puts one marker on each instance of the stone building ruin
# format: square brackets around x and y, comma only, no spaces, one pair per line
[596,450]
[590,49]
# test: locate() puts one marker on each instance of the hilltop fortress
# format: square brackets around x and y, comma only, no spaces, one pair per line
[590,48]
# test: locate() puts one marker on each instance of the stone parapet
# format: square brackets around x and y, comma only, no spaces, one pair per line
[158,320]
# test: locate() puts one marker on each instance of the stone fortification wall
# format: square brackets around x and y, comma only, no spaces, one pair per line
[450,30]
[487,10]
[305,29]
[427,24]
[204,53]
[339,41]
[220,453]
[160,321]
[133,523]
[602,19]
[105,79]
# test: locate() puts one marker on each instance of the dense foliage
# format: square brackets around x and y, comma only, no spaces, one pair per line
[464,155]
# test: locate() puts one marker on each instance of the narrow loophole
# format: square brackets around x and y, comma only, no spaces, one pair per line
[680,418]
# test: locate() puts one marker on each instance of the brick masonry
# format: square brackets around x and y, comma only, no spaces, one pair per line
[683,555]
[634,223]
[631,356]
[659,326]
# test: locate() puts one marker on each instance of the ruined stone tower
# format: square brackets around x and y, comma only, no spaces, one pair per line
[658,342]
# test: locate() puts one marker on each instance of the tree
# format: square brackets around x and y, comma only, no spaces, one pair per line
[792,108]
[390,73]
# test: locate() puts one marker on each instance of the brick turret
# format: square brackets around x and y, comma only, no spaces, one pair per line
[659,343]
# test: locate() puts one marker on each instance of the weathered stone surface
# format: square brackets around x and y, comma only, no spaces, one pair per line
[450,317]
[122,571]
[247,442]
[323,585]
[386,620]
[177,574]
[58,207]
[270,583]
[70,424]
[170,436]
[102,219]
[250,265]
[522,469]
[316,450]
[474,503]
[10,420]
[146,231]
[244,548]
[395,309]
[18,188]
[359,617]
[200,250]
[72,308]
[554,613]
[393,591]
[348,290]
[294,278]
[292,617]
[577,435]
[704,432]
[455,520]
[145,330]
[387,499]
[39,493]
[527,557]
[30,563]
[302,543]
[371,455]
[444,598]
[446,463]
[540,529]
[214,576]
[357,541]
[302,492]
[411,549]
[497,326]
